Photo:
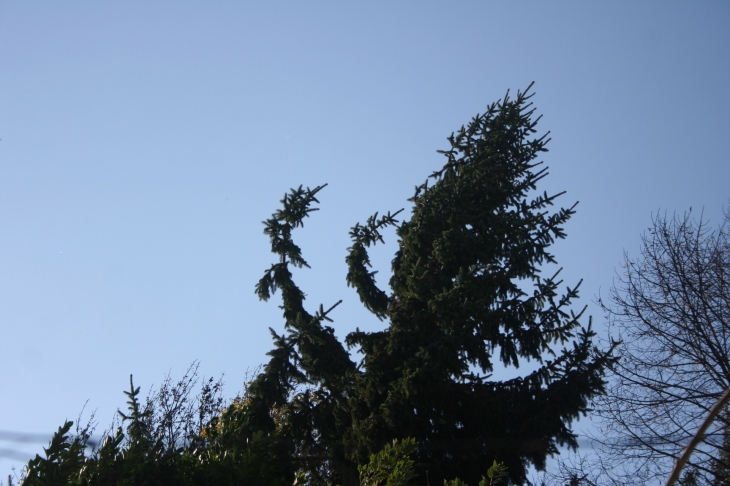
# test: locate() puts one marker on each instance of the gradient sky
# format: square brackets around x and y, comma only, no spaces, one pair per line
[142,144]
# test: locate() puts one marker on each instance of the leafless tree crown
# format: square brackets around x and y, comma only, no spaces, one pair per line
[671,309]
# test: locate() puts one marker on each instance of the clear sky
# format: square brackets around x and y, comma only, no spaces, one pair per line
[142,144]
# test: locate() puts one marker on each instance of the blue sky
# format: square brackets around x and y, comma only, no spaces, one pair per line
[141,146]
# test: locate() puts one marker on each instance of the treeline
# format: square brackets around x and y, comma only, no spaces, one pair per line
[421,407]
[158,443]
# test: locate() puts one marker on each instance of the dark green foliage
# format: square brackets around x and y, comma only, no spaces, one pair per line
[497,474]
[392,466]
[476,240]
[147,451]
[358,262]
[137,428]
[63,458]
[466,294]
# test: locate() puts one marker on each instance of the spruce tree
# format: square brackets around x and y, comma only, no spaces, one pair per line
[466,294]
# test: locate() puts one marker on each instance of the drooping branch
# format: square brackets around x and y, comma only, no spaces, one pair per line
[358,262]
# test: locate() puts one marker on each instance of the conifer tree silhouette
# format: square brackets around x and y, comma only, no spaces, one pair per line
[478,236]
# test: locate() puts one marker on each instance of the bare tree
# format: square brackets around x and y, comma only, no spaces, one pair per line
[671,309]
